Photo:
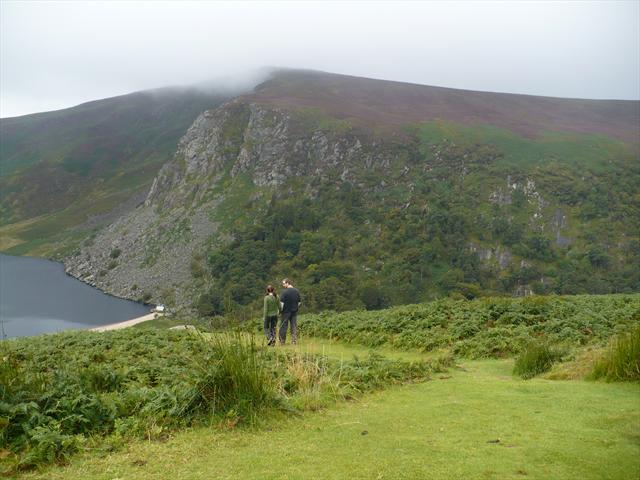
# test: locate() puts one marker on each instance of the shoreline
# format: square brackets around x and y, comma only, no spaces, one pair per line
[125,324]
[70,275]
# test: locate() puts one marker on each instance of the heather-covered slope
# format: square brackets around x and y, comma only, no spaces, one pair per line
[381,104]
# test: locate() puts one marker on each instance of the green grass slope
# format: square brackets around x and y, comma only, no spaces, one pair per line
[85,399]
[477,422]
[60,168]
[61,393]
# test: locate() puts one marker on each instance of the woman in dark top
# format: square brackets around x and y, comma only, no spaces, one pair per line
[270,314]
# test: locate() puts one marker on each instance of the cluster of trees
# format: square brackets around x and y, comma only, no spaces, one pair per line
[350,246]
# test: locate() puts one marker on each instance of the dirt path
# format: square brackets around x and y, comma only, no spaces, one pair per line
[128,323]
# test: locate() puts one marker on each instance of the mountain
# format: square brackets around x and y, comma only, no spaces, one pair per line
[392,105]
[371,193]
[64,173]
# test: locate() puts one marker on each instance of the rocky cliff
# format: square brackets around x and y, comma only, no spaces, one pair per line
[153,252]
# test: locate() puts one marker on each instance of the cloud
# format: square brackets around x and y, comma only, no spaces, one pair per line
[57,54]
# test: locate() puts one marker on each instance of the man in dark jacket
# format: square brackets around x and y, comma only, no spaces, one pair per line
[290,300]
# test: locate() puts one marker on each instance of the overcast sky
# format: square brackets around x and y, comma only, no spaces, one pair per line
[58,54]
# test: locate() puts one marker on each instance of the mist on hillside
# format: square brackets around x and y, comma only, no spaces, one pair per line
[55,55]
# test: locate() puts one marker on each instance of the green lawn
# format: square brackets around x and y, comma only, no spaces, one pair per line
[346,351]
[477,421]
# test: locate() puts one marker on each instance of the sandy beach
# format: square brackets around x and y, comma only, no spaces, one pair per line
[125,324]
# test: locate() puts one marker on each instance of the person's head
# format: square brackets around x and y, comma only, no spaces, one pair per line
[286,283]
[270,290]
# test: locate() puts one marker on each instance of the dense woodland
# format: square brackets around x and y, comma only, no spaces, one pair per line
[563,208]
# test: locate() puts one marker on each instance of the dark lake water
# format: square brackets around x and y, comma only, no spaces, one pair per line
[36,296]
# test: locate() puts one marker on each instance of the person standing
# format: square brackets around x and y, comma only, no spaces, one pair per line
[290,303]
[270,315]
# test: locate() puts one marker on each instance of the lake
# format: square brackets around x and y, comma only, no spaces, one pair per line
[36,296]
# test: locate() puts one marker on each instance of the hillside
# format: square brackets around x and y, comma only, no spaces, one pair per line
[371,193]
[534,430]
[64,173]
[392,105]
[89,401]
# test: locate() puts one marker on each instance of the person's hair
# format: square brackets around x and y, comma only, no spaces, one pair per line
[271,290]
[287,281]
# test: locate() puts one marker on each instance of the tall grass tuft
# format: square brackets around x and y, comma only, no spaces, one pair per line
[536,358]
[237,380]
[307,382]
[621,361]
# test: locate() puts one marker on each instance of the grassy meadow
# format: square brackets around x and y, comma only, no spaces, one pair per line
[477,421]
[152,403]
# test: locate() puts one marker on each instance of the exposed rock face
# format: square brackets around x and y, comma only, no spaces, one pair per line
[558,223]
[268,144]
[502,255]
[202,153]
[527,188]
[144,255]
[150,252]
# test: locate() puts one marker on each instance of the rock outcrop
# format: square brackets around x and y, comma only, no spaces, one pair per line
[154,252]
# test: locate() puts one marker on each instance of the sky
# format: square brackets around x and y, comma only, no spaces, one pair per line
[55,55]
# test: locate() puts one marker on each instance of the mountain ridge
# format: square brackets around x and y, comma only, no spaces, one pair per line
[524,114]
[389,200]
[213,218]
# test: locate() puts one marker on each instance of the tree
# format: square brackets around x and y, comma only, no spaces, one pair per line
[210,304]
[372,296]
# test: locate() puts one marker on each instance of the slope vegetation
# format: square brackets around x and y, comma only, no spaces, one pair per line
[300,179]
[391,105]
[475,423]
[372,193]
[88,164]
[125,398]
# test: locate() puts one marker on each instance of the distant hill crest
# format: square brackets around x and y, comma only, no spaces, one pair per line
[390,104]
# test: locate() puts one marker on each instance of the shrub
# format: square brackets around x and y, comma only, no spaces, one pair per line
[49,445]
[485,327]
[196,267]
[210,304]
[536,358]
[621,362]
